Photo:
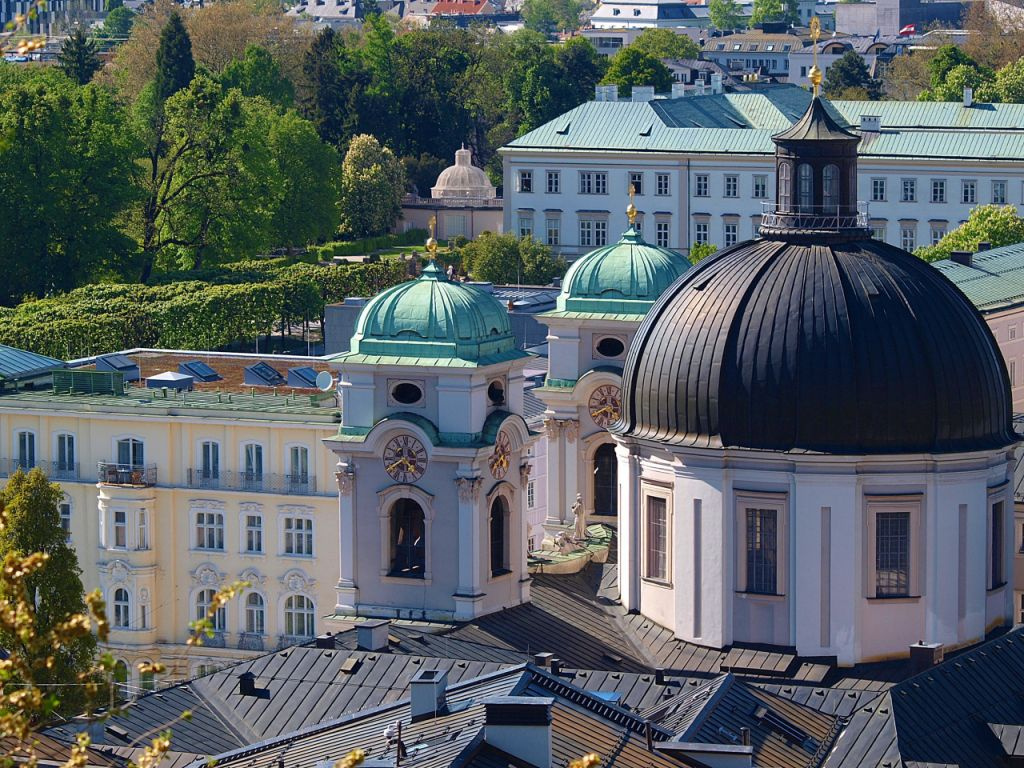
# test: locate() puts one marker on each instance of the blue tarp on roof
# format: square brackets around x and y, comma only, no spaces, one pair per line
[18,364]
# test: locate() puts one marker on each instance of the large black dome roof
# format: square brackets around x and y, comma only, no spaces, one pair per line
[848,347]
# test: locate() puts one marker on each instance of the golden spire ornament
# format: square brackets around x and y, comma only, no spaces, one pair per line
[815,74]
[431,242]
[631,209]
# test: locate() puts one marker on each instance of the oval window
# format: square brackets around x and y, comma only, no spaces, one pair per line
[407,393]
[609,346]
[496,393]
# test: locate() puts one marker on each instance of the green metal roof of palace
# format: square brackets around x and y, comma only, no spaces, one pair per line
[19,364]
[995,279]
[743,123]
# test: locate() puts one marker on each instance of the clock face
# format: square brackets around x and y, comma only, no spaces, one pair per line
[605,405]
[405,459]
[501,458]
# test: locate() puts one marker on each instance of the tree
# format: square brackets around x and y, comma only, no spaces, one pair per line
[580,68]
[726,14]
[550,16]
[421,172]
[324,104]
[951,86]
[907,77]
[32,525]
[77,58]
[849,72]
[112,5]
[259,74]
[700,251]
[665,44]
[631,67]
[509,260]
[118,24]
[993,224]
[774,10]
[1009,84]
[175,66]
[372,185]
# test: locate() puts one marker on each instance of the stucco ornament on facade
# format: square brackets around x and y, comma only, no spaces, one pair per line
[524,473]
[345,479]
[207,575]
[252,576]
[469,488]
[297,581]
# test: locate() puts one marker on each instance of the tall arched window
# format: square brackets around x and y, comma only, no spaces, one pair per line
[121,679]
[255,614]
[298,616]
[122,609]
[805,187]
[408,531]
[830,187]
[499,536]
[785,188]
[605,480]
[204,600]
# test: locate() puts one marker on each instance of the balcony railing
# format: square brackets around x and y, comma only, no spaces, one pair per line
[251,481]
[55,470]
[814,217]
[138,475]
[248,641]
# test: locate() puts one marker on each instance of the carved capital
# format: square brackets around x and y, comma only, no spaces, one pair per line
[469,488]
[552,427]
[524,473]
[571,427]
[345,479]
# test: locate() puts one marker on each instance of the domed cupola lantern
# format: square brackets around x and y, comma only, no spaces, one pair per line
[816,175]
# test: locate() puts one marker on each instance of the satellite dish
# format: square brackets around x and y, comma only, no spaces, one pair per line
[324,381]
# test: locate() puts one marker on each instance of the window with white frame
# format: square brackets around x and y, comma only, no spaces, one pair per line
[938,231]
[65,453]
[298,616]
[120,529]
[968,192]
[121,679]
[298,536]
[701,185]
[636,182]
[760,187]
[909,191]
[661,184]
[209,460]
[700,232]
[656,537]
[205,600]
[908,236]
[553,230]
[938,190]
[878,232]
[143,531]
[600,232]
[252,459]
[586,233]
[525,226]
[760,537]
[131,452]
[209,530]
[554,182]
[732,185]
[892,549]
[999,192]
[730,232]
[298,464]
[255,614]
[26,442]
[661,234]
[253,533]
[525,181]
[531,495]
[64,508]
[785,186]
[593,183]
[878,190]
[122,609]
[997,540]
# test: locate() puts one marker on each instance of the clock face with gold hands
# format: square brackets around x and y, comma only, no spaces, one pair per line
[405,459]
[501,458]
[605,405]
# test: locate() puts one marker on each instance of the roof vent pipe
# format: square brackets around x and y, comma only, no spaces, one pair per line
[968,96]
[965,258]
[984,246]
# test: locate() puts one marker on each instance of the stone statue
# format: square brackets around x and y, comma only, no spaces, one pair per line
[579,519]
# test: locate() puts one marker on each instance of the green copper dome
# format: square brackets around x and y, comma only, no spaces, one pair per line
[434,318]
[624,278]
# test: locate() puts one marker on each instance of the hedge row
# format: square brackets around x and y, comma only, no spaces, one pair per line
[368,245]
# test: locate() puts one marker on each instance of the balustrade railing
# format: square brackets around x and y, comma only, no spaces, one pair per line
[814,217]
[252,481]
[55,470]
[140,475]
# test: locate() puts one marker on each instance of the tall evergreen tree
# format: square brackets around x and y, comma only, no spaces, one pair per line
[32,524]
[324,101]
[77,57]
[175,66]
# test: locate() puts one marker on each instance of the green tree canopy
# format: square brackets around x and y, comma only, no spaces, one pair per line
[726,14]
[372,185]
[700,251]
[993,224]
[850,72]
[32,524]
[550,16]
[175,66]
[259,74]
[631,67]
[774,10]
[118,23]
[77,58]
[951,87]
[665,44]
[510,260]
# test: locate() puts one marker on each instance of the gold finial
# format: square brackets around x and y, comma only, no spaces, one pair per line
[631,209]
[815,73]
[431,242]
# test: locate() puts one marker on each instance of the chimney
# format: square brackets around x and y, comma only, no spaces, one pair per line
[372,635]
[247,684]
[716,82]
[678,90]
[643,93]
[699,89]
[606,93]
[556,666]
[541,659]
[961,257]
[984,246]
[968,96]
[520,726]
[659,676]
[870,123]
[325,641]
[428,688]
[925,656]
[745,736]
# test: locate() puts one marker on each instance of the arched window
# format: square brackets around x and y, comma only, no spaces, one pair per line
[122,609]
[805,187]
[298,616]
[255,614]
[204,600]
[785,190]
[605,480]
[408,531]
[830,187]
[499,536]
[121,679]
[147,680]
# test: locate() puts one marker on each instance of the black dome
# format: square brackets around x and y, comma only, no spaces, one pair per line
[851,347]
